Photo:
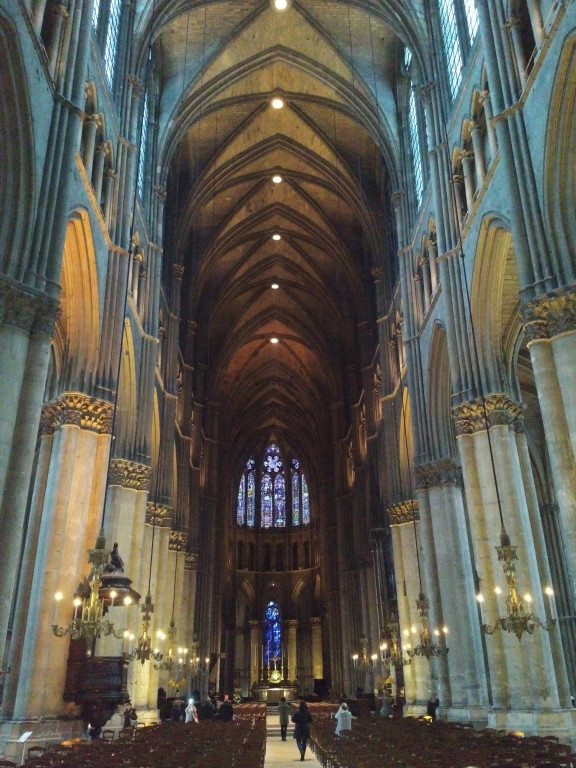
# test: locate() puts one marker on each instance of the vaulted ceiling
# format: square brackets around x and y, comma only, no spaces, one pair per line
[218,65]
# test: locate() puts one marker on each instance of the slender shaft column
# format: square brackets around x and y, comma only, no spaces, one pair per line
[89,143]
[479,158]
[256,659]
[317,663]
[98,172]
[468,171]
[492,140]
[292,627]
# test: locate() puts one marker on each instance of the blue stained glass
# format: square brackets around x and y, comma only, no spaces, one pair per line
[305,502]
[451,44]
[295,498]
[273,635]
[240,506]
[251,501]
[111,44]
[266,501]
[273,462]
[279,502]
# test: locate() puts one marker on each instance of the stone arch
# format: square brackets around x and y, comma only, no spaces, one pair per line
[75,339]
[495,298]
[560,164]
[17,195]
[439,396]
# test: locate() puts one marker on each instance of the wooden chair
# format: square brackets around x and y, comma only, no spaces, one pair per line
[108,734]
[35,751]
[7,763]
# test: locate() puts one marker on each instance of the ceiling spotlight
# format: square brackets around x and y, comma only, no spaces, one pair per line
[277,102]
[274,286]
[276,237]
[274,340]
[277,179]
[280,5]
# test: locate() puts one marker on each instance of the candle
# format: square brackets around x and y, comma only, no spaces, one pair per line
[57,598]
[77,603]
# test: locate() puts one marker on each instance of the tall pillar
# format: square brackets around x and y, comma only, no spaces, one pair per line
[292,626]
[495,485]
[256,658]
[317,663]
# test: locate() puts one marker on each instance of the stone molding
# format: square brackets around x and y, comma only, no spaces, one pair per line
[129,474]
[79,410]
[158,514]
[178,541]
[496,409]
[550,315]
[406,511]
[28,310]
[191,562]
[438,474]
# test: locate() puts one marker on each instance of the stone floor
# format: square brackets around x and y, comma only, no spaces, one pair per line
[280,754]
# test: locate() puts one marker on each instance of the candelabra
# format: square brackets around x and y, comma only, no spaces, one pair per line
[93,597]
[169,661]
[427,647]
[364,661]
[517,621]
[391,652]
[143,651]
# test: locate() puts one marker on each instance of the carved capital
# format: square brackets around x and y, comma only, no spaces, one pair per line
[77,409]
[191,562]
[178,270]
[438,474]
[158,514]
[478,415]
[550,315]
[377,274]
[137,85]
[129,474]
[31,311]
[404,512]
[178,541]
[315,622]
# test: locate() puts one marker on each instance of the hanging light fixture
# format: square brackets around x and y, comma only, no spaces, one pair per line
[94,596]
[390,649]
[364,661]
[169,660]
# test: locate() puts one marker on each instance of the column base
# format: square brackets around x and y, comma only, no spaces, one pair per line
[44,733]
[531,722]
[476,716]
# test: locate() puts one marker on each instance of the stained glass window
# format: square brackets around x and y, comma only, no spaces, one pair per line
[415,147]
[251,500]
[279,502]
[305,502]
[142,151]
[451,44]
[295,497]
[111,45]
[245,503]
[272,635]
[266,502]
[471,19]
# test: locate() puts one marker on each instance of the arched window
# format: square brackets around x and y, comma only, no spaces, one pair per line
[273,504]
[272,635]
[142,149]
[246,502]
[459,25]
[415,146]
[300,496]
[271,495]
[111,42]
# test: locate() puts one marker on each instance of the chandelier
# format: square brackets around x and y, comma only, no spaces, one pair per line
[93,597]
[391,651]
[169,660]
[427,647]
[143,651]
[364,661]
[517,621]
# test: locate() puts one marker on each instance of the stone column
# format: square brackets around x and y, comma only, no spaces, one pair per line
[550,327]
[292,626]
[66,514]
[439,485]
[404,517]
[317,663]
[496,496]
[256,660]
[468,171]
[478,147]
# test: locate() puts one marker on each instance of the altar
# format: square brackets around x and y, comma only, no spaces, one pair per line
[273,693]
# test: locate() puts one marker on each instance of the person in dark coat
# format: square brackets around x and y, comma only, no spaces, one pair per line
[432,706]
[226,711]
[284,715]
[302,719]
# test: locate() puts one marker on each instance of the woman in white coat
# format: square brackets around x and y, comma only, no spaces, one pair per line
[343,719]
[190,712]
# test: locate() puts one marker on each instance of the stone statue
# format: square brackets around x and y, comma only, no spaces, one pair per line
[116,563]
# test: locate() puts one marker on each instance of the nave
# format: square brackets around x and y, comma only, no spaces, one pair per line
[252,740]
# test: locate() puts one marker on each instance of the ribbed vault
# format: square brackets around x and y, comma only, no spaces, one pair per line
[336,145]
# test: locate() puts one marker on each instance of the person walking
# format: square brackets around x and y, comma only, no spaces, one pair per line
[284,715]
[226,711]
[343,719]
[190,712]
[302,719]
